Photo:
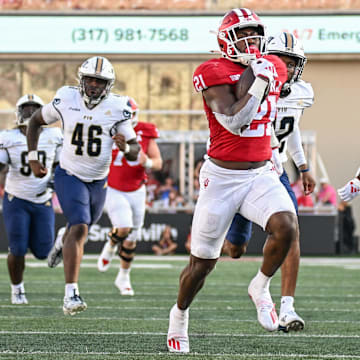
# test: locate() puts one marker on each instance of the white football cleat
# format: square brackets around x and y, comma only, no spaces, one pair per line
[124,285]
[73,305]
[106,256]
[177,338]
[290,321]
[18,297]
[265,307]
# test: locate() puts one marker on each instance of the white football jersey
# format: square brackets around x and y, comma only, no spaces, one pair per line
[88,132]
[289,112]
[20,181]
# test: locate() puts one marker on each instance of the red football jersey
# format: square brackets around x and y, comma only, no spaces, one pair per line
[254,143]
[128,175]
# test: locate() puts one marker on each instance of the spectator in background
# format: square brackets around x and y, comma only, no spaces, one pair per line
[152,188]
[166,244]
[164,190]
[327,193]
[346,226]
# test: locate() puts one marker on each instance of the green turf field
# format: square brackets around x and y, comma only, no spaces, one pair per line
[223,321]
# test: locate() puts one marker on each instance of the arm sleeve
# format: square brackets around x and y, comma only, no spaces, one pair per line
[125,128]
[295,148]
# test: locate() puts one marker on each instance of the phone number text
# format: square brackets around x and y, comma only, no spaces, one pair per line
[128,34]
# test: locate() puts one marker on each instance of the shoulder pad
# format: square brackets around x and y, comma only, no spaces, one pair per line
[148,129]
[7,138]
[301,95]
[64,93]
[210,73]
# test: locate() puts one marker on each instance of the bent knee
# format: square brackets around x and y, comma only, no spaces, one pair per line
[283,224]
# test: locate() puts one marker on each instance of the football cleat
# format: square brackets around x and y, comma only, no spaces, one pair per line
[177,338]
[124,285]
[106,256]
[54,258]
[265,307]
[73,305]
[19,298]
[290,321]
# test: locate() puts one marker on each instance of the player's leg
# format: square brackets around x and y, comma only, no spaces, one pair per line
[55,255]
[119,211]
[269,205]
[74,198]
[17,221]
[238,237]
[213,213]
[136,199]
[289,320]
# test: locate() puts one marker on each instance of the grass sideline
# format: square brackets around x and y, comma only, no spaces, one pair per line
[223,321]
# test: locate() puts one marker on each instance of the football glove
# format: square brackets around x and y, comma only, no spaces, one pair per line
[263,68]
[350,190]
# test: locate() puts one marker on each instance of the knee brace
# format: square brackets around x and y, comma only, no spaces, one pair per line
[116,239]
[129,253]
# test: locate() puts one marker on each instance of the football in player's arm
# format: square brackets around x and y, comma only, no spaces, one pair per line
[93,119]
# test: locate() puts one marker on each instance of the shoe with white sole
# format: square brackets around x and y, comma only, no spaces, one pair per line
[106,256]
[265,307]
[290,321]
[18,298]
[124,285]
[73,305]
[177,338]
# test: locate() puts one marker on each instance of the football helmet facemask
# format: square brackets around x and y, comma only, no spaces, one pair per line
[100,68]
[287,44]
[227,38]
[134,110]
[25,107]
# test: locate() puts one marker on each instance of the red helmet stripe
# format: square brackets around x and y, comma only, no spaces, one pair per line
[245,12]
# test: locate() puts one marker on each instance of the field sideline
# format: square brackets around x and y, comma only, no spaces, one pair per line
[223,321]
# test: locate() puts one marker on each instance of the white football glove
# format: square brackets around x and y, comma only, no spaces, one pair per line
[275,159]
[263,68]
[350,190]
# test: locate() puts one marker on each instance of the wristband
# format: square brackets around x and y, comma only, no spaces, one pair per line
[148,163]
[33,155]
[304,170]
[258,88]
[127,148]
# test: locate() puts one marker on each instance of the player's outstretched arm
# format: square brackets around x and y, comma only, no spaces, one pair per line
[32,137]
[152,159]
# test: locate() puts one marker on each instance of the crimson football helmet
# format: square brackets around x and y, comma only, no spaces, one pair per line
[227,37]
[134,111]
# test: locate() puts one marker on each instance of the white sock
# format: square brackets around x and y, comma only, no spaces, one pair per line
[178,321]
[261,281]
[124,273]
[17,288]
[71,289]
[287,304]
[59,242]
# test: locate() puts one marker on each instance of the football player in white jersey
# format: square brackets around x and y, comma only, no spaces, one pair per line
[93,119]
[296,95]
[27,210]
[351,189]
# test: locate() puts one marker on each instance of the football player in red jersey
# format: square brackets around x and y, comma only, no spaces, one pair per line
[238,175]
[125,200]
